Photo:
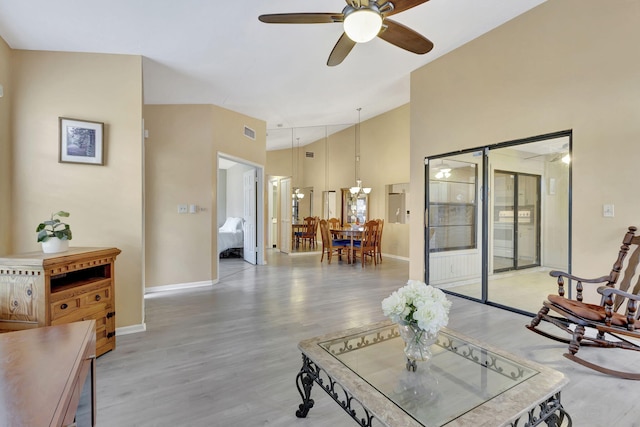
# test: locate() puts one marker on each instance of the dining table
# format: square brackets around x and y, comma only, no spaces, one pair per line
[351,233]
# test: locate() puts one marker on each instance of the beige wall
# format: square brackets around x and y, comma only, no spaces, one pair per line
[384,157]
[567,64]
[178,170]
[181,168]
[5,148]
[105,202]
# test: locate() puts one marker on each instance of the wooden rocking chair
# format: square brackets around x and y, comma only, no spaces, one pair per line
[606,321]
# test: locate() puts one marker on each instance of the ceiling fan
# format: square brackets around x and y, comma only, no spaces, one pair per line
[363,20]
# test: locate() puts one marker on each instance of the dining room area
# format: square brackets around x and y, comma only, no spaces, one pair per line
[334,173]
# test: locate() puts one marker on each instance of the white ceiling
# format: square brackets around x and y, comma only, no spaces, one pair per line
[215,52]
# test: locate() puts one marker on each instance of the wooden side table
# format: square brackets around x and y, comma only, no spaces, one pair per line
[43,371]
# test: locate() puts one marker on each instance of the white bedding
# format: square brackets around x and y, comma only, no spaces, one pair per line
[231,235]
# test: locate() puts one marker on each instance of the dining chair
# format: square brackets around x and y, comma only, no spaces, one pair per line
[367,246]
[302,235]
[330,245]
[311,231]
[379,240]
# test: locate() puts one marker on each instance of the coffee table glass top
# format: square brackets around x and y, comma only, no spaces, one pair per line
[460,377]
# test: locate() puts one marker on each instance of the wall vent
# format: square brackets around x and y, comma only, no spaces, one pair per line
[309,154]
[249,133]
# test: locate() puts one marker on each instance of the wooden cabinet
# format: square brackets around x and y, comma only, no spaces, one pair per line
[38,289]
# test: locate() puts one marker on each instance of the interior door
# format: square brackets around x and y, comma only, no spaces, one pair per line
[285,215]
[250,248]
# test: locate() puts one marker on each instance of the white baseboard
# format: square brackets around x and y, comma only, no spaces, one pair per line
[401,258]
[133,329]
[180,286]
[305,253]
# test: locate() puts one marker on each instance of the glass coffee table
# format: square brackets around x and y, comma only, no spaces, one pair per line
[466,383]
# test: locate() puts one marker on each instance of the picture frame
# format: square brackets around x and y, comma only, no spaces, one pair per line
[81,141]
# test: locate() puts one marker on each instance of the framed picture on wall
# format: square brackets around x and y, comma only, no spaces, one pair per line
[81,141]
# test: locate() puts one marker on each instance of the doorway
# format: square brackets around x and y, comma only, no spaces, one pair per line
[516,224]
[240,195]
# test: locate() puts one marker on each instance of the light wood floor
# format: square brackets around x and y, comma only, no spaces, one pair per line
[227,355]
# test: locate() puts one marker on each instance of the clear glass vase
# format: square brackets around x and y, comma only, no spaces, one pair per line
[417,342]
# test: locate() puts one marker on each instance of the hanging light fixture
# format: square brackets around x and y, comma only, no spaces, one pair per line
[444,171]
[297,194]
[296,191]
[358,189]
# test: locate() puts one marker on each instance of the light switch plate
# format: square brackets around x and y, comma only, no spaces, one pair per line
[607,211]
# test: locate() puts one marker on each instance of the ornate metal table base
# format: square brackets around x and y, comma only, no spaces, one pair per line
[549,412]
[311,372]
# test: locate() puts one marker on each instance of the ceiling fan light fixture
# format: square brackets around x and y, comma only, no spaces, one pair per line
[362,25]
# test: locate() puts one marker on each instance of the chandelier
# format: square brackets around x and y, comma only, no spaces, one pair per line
[297,194]
[358,189]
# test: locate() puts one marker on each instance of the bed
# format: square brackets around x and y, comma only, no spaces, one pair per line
[231,236]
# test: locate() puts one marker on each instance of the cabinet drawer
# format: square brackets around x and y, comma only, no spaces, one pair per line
[81,306]
[64,308]
[97,297]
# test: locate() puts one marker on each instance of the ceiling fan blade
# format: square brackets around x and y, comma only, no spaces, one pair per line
[301,18]
[404,37]
[340,50]
[402,5]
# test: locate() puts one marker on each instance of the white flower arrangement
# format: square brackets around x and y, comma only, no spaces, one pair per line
[418,304]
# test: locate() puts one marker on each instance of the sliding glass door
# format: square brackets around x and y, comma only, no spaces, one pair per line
[498,220]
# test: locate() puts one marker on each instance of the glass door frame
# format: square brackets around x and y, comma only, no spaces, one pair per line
[483,200]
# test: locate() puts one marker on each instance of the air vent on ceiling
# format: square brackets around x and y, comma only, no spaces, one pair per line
[249,133]
[309,154]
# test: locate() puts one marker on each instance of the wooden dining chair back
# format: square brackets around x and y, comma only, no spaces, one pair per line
[367,246]
[309,232]
[334,223]
[610,321]
[330,245]
[313,237]
[379,240]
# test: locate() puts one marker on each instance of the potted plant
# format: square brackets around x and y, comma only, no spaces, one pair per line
[54,234]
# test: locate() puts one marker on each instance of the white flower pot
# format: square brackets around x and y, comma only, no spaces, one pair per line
[55,245]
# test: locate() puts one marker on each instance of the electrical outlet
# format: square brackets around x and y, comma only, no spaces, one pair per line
[182,209]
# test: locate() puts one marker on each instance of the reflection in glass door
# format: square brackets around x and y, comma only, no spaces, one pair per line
[529,228]
[453,247]
[516,225]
